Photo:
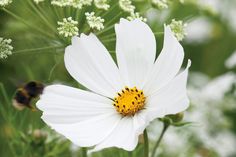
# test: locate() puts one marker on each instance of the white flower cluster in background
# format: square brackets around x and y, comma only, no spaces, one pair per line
[5,48]
[101,4]
[178,27]
[60,3]
[4,3]
[196,34]
[210,126]
[38,1]
[126,5]
[74,3]
[211,100]
[136,16]
[160,4]
[83,2]
[231,61]
[94,22]
[68,27]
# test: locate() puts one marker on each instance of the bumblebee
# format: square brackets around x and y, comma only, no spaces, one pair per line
[25,94]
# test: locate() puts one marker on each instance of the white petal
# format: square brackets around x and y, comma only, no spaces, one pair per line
[123,136]
[170,99]
[167,64]
[90,132]
[135,51]
[63,104]
[89,62]
[141,121]
[83,117]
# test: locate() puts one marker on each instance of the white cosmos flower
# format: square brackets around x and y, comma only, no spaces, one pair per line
[148,88]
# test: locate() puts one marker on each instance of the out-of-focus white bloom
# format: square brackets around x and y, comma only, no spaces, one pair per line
[198,79]
[94,22]
[61,3]
[224,143]
[68,27]
[74,3]
[178,27]
[124,97]
[210,126]
[181,1]
[126,5]
[160,4]
[38,1]
[213,91]
[208,104]
[231,61]
[136,16]
[212,5]
[216,89]
[84,2]
[5,48]
[196,34]
[4,3]
[101,4]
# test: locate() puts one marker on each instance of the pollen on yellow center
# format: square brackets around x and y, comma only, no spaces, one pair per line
[129,101]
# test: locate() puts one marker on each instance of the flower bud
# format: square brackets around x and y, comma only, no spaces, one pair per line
[176,117]
[39,135]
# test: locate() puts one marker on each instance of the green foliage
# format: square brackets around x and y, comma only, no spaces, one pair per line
[38,55]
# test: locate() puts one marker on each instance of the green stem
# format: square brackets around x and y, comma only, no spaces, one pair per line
[26,23]
[130,154]
[146,144]
[84,152]
[41,15]
[37,49]
[165,127]
[158,33]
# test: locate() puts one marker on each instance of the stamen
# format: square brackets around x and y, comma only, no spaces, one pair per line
[129,101]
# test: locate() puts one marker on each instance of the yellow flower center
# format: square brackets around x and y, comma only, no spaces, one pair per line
[129,101]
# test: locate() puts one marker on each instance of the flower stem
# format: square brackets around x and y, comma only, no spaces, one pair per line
[84,152]
[146,144]
[165,127]
[28,24]
[130,154]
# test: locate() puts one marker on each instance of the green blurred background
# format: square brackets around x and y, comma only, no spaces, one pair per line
[38,55]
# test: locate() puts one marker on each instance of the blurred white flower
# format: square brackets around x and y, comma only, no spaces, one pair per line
[231,61]
[61,3]
[101,4]
[136,15]
[38,1]
[74,3]
[178,27]
[212,5]
[121,101]
[5,48]
[160,4]
[94,22]
[229,15]
[224,143]
[208,104]
[84,2]
[198,80]
[196,34]
[77,4]
[4,3]
[68,27]
[126,5]
[217,88]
